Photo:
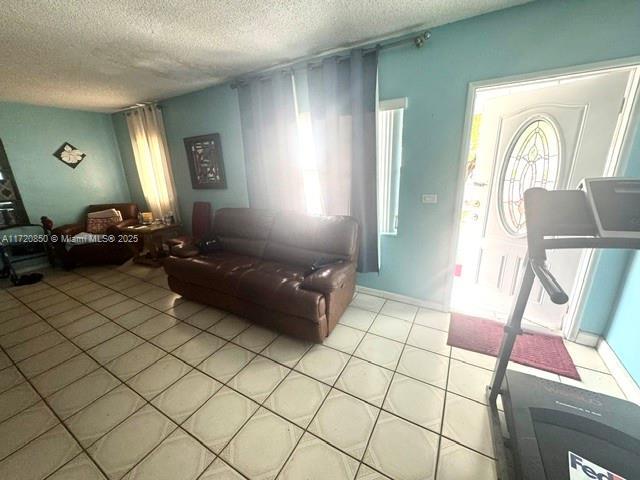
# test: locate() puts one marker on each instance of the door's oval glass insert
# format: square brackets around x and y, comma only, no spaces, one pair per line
[532,160]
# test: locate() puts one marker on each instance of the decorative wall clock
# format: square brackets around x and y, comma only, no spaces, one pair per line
[69,155]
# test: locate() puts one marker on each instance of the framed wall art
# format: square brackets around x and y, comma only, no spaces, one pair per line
[204,154]
[69,155]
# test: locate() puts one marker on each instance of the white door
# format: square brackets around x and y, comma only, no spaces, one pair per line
[549,136]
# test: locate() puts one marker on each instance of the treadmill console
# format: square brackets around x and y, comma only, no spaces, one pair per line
[615,203]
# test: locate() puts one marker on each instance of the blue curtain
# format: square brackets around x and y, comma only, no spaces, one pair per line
[342,101]
[270,138]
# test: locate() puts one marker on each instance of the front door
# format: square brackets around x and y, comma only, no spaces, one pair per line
[547,135]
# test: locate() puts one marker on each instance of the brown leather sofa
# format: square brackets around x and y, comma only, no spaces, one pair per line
[293,272]
[114,253]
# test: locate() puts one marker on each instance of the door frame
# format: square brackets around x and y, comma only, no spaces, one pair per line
[618,160]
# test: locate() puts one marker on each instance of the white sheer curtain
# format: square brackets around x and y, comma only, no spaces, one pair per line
[149,142]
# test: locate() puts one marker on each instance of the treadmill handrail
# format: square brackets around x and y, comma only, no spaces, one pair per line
[549,282]
[558,243]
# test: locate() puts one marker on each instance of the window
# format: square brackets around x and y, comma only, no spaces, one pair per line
[307,159]
[12,210]
[390,118]
[533,160]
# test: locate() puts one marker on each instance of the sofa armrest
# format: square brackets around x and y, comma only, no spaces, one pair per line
[117,228]
[330,278]
[129,222]
[184,250]
[69,229]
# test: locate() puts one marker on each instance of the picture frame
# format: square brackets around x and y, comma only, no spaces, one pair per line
[206,165]
[69,155]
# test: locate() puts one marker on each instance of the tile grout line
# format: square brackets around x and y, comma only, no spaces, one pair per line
[395,370]
[331,387]
[260,354]
[179,425]
[60,422]
[146,403]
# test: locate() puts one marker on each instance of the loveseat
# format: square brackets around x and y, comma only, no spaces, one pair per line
[116,252]
[292,272]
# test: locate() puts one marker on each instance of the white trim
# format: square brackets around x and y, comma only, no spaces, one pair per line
[572,320]
[457,211]
[554,73]
[402,298]
[393,104]
[625,381]
[584,283]
[587,339]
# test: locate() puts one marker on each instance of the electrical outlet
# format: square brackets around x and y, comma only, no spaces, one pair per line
[429,198]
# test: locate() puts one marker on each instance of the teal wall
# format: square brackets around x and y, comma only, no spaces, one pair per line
[48,187]
[611,268]
[623,334]
[213,110]
[535,37]
[531,38]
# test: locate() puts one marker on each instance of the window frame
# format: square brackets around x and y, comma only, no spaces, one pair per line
[398,105]
[6,175]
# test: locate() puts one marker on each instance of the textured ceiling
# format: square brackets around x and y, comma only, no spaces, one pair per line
[106,54]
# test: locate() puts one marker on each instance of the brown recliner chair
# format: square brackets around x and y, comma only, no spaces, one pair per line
[292,272]
[103,253]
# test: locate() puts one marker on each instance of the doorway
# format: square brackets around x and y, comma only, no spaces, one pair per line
[547,132]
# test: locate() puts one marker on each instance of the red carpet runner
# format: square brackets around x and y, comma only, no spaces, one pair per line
[545,352]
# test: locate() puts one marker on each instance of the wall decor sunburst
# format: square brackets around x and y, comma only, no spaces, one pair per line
[69,155]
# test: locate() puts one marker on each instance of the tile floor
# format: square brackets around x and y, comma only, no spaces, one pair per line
[105,373]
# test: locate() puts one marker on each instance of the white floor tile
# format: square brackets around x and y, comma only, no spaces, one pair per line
[344,338]
[365,380]
[367,302]
[379,350]
[218,420]
[314,459]
[186,395]
[345,422]
[416,401]
[425,366]
[298,398]
[402,450]
[262,446]
[323,363]
[459,463]
[467,422]
[400,310]
[178,456]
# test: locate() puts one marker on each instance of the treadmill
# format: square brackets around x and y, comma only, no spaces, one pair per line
[556,431]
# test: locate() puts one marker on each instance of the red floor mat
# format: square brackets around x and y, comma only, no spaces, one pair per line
[545,352]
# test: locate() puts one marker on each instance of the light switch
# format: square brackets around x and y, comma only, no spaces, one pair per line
[429,198]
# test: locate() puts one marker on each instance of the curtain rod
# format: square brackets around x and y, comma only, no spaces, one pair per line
[138,105]
[417,40]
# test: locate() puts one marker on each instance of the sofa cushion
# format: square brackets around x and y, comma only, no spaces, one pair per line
[305,240]
[278,287]
[243,231]
[221,271]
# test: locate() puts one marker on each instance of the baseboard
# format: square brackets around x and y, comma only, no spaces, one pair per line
[402,298]
[588,339]
[621,375]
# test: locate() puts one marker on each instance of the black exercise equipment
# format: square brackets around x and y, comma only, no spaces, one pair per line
[556,431]
[18,245]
